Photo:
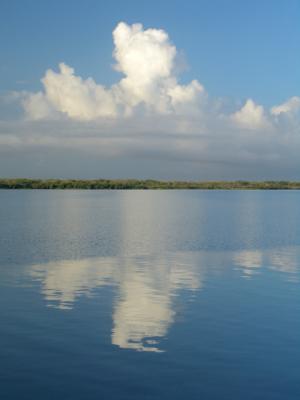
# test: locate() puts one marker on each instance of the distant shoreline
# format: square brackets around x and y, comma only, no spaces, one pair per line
[127,184]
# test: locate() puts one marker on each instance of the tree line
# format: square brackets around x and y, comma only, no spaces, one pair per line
[143,184]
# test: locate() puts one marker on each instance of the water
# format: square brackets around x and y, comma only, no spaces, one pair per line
[149,295]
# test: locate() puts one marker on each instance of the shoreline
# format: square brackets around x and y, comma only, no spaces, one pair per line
[128,184]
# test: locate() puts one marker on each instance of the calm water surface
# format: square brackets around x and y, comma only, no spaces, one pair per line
[149,295]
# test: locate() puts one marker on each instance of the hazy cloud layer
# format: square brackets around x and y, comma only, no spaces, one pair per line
[149,115]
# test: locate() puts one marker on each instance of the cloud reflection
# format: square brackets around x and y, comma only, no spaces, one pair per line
[249,260]
[144,306]
[284,259]
[148,286]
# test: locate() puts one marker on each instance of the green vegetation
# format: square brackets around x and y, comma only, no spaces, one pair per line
[142,184]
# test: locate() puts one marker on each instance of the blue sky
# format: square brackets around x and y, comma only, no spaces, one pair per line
[236,63]
[236,48]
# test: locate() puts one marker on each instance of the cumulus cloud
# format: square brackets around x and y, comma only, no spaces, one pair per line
[36,106]
[291,106]
[70,94]
[250,116]
[146,58]
[149,116]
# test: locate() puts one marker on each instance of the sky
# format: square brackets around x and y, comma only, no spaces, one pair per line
[150,89]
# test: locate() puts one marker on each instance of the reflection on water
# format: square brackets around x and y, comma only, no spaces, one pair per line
[63,281]
[283,259]
[144,307]
[249,260]
[85,274]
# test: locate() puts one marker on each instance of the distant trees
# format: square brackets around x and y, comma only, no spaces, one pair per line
[143,184]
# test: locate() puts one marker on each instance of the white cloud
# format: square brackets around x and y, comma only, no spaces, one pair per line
[36,106]
[292,105]
[147,117]
[70,94]
[147,60]
[250,116]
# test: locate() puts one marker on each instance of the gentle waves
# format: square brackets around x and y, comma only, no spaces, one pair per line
[149,295]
